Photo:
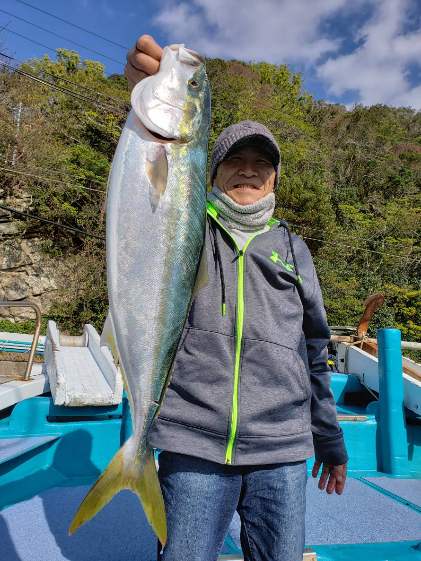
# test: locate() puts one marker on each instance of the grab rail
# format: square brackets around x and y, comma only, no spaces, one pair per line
[26,304]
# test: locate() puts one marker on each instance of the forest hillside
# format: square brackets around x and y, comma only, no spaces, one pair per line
[349,184]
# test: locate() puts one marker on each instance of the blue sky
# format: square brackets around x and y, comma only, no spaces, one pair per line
[348,51]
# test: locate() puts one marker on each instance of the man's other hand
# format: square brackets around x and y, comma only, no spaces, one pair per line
[336,475]
[142,60]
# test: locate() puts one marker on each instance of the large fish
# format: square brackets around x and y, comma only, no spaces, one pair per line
[156,216]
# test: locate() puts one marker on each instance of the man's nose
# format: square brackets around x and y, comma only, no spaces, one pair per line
[247,169]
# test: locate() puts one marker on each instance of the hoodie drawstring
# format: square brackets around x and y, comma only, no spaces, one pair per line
[219,259]
[217,253]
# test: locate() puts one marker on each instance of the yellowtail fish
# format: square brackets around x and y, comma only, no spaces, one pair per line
[155,226]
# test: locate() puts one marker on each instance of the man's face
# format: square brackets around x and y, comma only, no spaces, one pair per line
[246,175]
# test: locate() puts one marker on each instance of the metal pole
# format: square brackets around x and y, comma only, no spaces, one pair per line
[17,120]
[391,418]
[27,304]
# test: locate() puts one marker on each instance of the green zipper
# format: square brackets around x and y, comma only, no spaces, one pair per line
[239,333]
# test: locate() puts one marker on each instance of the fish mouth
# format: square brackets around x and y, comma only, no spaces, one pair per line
[156,136]
[152,134]
[160,137]
[165,139]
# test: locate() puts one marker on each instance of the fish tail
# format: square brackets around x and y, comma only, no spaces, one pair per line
[124,472]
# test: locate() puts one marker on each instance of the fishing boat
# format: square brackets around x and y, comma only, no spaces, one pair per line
[64,413]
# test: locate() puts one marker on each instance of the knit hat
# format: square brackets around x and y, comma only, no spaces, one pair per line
[245,133]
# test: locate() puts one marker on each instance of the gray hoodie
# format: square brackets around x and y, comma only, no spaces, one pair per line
[250,382]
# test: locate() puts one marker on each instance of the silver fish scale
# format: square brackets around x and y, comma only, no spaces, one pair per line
[152,258]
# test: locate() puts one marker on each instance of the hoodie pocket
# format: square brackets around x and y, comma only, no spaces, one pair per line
[274,391]
[200,388]
[304,375]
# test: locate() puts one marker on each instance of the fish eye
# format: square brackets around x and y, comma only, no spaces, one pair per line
[194,83]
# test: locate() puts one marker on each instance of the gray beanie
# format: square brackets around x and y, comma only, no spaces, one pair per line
[245,133]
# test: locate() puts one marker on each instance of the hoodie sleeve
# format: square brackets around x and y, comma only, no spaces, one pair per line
[328,439]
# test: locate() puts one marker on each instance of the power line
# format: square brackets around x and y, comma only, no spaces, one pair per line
[5,25]
[57,35]
[73,25]
[102,238]
[289,222]
[61,131]
[360,248]
[32,40]
[62,89]
[341,243]
[54,128]
[27,215]
[47,179]
[59,177]
[362,239]
[76,84]
[45,82]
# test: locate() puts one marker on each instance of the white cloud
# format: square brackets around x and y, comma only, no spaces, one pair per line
[289,31]
[279,31]
[377,70]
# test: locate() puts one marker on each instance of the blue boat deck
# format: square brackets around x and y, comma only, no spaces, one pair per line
[36,529]
[43,481]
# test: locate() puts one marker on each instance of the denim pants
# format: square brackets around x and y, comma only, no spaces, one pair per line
[201,498]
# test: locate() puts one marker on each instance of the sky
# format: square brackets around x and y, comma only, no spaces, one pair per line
[348,51]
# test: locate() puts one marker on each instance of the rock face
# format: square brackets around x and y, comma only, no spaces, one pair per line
[26,273]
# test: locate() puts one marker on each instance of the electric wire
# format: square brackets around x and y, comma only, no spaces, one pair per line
[10,209]
[301,227]
[340,242]
[75,84]
[47,179]
[62,89]
[58,35]
[28,215]
[73,24]
[45,82]
[55,129]
[46,173]
[85,98]
[31,40]
[362,248]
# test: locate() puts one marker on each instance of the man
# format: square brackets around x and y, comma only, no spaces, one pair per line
[249,399]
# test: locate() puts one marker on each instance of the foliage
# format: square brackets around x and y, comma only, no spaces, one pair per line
[349,182]
[27,326]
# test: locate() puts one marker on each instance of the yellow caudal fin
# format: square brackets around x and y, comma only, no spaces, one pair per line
[125,472]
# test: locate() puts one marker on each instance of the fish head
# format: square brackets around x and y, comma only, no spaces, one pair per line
[170,104]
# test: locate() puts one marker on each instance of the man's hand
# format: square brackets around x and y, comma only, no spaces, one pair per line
[142,60]
[336,474]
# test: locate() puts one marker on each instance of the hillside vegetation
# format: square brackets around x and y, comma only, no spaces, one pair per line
[349,183]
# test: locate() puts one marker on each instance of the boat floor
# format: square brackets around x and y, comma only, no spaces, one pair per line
[370,510]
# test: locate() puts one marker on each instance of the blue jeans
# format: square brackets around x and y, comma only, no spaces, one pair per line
[201,498]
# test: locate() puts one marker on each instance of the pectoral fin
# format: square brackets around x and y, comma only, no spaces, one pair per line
[157,172]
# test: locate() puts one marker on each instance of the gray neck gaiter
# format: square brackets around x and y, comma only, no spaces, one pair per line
[243,217]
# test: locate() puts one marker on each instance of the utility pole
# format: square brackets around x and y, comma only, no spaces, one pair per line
[17,115]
